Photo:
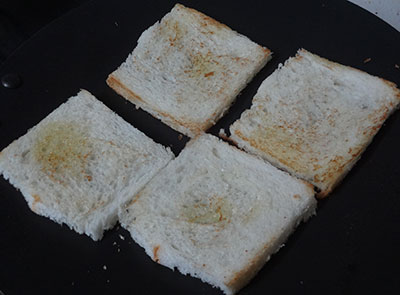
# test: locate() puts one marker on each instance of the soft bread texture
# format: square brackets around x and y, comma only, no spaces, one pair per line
[187,70]
[81,163]
[313,118]
[217,213]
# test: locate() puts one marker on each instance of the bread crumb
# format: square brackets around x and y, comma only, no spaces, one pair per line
[119,250]
[155,253]
[116,24]
[367,60]
[122,237]
[73,283]
[105,267]
[115,243]
[222,132]
[180,136]
[108,281]
[396,66]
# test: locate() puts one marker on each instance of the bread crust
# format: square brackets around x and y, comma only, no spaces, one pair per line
[289,145]
[207,20]
[182,224]
[202,64]
[72,166]
[242,277]
[189,128]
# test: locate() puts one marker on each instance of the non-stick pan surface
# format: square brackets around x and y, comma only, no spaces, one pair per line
[351,246]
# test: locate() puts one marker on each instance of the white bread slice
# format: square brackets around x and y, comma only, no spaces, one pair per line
[313,118]
[80,163]
[217,213]
[187,70]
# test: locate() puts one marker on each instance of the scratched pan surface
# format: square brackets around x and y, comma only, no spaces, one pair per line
[351,246]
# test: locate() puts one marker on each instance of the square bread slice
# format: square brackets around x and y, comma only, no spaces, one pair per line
[187,70]
[81,163]
[217,213]
[313,118]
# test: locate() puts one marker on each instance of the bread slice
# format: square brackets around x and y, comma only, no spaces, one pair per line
[314,118]
[217,213]
[187,70]
[79,164]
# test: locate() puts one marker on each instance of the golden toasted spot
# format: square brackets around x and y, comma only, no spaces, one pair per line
[316,167]
[266,50]
[203,65]
[208,212]
[135,198]
[336,160]
[62,149]
[357,153]
[296,196]
[279,143]
[172,31]
[36,199]
[298,57]
[155,253]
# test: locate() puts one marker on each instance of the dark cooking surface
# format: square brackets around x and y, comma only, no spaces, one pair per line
[351,246]
[20,19]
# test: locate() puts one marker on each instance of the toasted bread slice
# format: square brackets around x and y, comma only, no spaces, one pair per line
[79,164]
[217,213]
[187,70]
[314,118]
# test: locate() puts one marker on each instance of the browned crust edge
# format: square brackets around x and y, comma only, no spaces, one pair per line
[186,127]
[191,129]
[340,174]
[345,168]
[242,277]
[209,20]
[213,118]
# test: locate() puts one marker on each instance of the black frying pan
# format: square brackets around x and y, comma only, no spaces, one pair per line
[351,246]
